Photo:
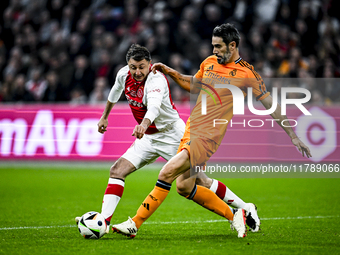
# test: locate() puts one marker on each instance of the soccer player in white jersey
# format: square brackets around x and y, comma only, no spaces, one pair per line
[159,132]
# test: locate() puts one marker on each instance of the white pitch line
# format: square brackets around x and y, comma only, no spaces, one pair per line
[182,222]
[277,218]
[38,227]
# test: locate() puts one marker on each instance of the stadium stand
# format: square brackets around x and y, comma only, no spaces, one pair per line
[60,50]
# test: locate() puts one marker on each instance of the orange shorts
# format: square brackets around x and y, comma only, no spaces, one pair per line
[185,141]
[200,148]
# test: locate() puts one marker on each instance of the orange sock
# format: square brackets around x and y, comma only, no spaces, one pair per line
[208,199]
[151,202]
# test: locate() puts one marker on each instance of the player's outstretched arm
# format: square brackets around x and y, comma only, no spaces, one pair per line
[103,122]
[187,82]
[267,102]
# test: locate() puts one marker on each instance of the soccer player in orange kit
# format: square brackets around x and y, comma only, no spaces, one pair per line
[201,138]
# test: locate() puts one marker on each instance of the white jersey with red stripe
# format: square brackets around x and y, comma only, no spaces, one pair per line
[154,90]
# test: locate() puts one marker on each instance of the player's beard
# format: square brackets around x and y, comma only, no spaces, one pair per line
[225,59]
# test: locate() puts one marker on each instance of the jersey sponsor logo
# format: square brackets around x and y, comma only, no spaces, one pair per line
[211,67]
[134,103]
[188,143]
[213,78]
[133,93]
[155,90]
[233,72]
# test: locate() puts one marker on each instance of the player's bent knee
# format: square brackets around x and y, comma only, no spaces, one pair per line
[113,171]
[121,169]
[183,190]
[175,167]
[116,173]
[185,187]
[205,182]
[199,181]
[166,175]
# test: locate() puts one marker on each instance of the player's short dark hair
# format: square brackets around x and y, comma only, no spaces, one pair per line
[228,32]
[138,53]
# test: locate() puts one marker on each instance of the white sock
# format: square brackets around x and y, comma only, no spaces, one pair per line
[113,193]
[227,195]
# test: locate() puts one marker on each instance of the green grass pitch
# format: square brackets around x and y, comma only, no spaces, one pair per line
[38,204]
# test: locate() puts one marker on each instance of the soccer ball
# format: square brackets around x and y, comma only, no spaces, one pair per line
[92,225]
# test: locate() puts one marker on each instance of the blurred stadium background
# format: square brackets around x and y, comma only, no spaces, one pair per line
[70,50]
[58,61]
[67,52]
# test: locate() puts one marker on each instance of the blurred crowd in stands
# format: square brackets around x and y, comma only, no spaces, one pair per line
[71,50]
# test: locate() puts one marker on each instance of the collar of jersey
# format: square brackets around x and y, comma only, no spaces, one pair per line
[237,60]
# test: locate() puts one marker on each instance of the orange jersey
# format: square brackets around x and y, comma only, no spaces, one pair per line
[219,101]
